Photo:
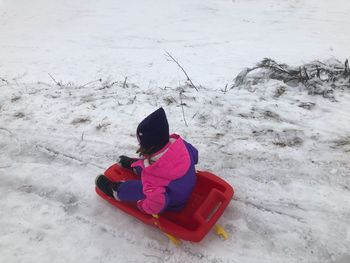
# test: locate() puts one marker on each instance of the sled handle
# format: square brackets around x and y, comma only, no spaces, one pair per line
[212,208]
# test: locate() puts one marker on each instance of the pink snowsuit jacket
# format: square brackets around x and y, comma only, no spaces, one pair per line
[168,182]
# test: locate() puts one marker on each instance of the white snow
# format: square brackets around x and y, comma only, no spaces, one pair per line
[213,39]
[291,204]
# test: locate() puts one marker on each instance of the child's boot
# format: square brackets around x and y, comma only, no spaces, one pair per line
[106,185]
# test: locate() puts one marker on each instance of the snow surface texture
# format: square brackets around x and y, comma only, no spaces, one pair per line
[289,166]
[287,156]
[82,40]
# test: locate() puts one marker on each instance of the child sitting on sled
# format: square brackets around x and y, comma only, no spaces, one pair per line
[166,169]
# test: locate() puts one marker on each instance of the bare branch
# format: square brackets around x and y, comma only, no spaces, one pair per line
[183,70]
[56,153]
[4,80]
[315,76]
[107,85]
[318,72]
[183,110]
[57,83]
[306,75]
[225,89]
[124,84]
[90,82]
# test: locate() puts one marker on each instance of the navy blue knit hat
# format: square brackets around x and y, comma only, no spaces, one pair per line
[153,131]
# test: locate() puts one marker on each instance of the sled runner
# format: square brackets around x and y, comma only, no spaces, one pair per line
[210,197]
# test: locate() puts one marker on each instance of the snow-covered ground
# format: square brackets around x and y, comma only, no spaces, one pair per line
[289,165]
[83,40]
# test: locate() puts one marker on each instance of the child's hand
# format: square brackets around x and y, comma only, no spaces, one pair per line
[126,161]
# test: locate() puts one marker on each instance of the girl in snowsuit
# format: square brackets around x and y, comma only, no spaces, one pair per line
[166,169]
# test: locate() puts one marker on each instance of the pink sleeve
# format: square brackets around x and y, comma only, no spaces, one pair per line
[155,200]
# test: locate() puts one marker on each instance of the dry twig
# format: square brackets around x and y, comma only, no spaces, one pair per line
[317,77]
[57,83]
[90,82]
[124,84]
[183,70]
[183,110]
[4,80]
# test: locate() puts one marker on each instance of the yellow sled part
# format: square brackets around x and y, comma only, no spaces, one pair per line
[177,242]
[220,231]
[174,240]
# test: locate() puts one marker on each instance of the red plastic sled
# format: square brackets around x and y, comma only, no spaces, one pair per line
[210,197]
